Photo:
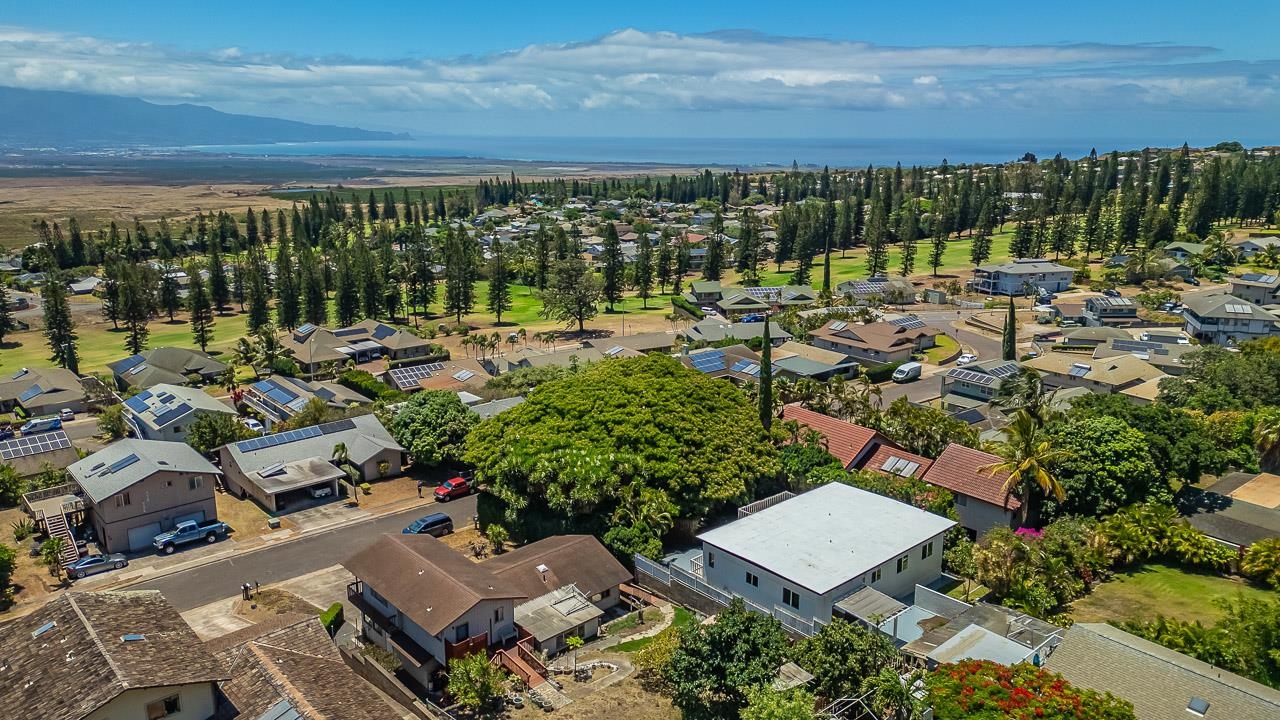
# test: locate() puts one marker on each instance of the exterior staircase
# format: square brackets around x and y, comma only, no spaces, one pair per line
[58,528]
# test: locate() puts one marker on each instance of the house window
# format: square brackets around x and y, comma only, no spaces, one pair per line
[875,576]
[711,559]
[926,551]
[497,614]
[753,580]
[962,500]
[123,499]
[791,597]
[164,708]
[902,563]
[195,483]
[177,428]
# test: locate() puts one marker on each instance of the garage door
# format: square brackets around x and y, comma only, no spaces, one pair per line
[195,517]
[140,537]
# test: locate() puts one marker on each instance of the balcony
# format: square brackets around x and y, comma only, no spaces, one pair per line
[472,645]
[410,651]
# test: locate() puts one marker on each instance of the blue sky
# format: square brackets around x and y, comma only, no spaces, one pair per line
[1183,70]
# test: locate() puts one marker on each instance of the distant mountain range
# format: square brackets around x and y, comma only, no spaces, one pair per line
[46,118]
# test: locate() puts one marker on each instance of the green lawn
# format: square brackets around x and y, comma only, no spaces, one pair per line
[1153,589]
[683,618]
[945,348]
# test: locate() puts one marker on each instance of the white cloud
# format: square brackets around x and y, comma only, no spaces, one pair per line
[650,71]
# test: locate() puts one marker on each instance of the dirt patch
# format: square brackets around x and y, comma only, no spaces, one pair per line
[32,583]
[270,602]
[627,699]
[246,518]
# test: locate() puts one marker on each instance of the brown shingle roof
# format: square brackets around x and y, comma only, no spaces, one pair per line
[579,560]
[960,470]
[297,663]
[81,662]
[425,579]
[845,440]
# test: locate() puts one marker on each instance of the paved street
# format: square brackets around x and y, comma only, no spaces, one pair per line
[205,584]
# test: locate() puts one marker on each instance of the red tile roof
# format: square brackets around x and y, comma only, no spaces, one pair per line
[960,470]
[845,440]
[882,454]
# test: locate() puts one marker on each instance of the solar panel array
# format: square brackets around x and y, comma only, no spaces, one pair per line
[761,293]
[707,362]
[1004,370]
[172,414]
[381,332]
[279,439]
[908,323]
[407,378]
[864,287]
[121,464]
[138,403]
[129,363]
[613,350]
[1236,309]
[1137,346]
[463,375]
[899,466]
[747,367]
[1079,370]
[31,392]
[839,325]
[969,376]
[34,445]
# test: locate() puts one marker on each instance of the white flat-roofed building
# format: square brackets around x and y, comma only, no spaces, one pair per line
[808,552]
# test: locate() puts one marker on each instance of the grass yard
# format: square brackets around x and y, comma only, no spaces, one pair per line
[683,618]
[946,347]
[1153,589]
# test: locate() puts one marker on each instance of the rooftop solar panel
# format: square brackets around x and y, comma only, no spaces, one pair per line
[908,323]
[128,363]
[383,331]
[1079,370]
[463,375]
[31,392]
[1004,370]
[33,445]
[407,378]
[434,367]
[121,464]
[839,325]
[970,376]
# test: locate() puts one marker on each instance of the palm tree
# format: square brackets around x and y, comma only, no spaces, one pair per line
[524,336]
[245,353]
[1027,457]
[893,697]
[340,457]
[269,348]
[1270,257]
[1266,438]
[1026,391]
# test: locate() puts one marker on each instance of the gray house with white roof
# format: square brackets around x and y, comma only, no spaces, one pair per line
[1021,275]
[136,489]
[804,554]
[281,469]
[1212,317]
[165,412]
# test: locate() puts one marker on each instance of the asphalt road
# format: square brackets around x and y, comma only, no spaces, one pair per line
[205,584]
[930,386]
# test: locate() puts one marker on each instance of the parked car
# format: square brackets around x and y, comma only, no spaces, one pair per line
[1169,306]
[435,524]
[320,491]
[453,488]
[1111,292]
[43,424]
[188,532]
[907,372]
[1193,281]
[6,432]
[253,425]
[94,564]
[752,318]
[966,358]
[66,414]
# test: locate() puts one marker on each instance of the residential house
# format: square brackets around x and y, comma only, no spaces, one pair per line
[566,356]
[1108,375]
[974,385]
[663,342]
[288,668]
[1212,317]
[280,397]
[799,557]
[1250,246]
[85,285]
[280,470]
[136,489]
[1103,311]
[1093,336]
[892,462]
[106,655]
[704,292]
[877,343]
[429,605]
[878,290]
[29,455]
[793,360]
[1161,683]
[1022,276]
[1238,509]
[738,302]
[737,363]
[461,375]
[1164,356]
[714,330]
[981,631]
[42,391]
[168,365]
[851,444]
[312,346]
[981,500]
[1183,251]
[165,412]
[489,409]
[1257,288]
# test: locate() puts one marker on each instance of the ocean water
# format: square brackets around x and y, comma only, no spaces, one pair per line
[748,152]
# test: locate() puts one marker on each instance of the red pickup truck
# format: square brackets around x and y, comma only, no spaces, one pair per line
[455,488]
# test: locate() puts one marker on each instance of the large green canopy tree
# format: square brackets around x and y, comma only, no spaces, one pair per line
[622,449]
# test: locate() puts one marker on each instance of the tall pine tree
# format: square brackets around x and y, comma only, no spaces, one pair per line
[499,300]
[59,328]
[201,307]
[614,269]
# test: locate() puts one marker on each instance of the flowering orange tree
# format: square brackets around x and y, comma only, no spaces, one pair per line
[984,690]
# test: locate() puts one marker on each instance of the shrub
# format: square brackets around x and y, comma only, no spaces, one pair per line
[982,689]
[881,373]
[371,387]
[1261,561]
[332,618]
[474,682]
[366,488]
[679,303]
[497,536]
[23,529]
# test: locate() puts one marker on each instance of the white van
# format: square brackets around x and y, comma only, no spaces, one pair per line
[907,372]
